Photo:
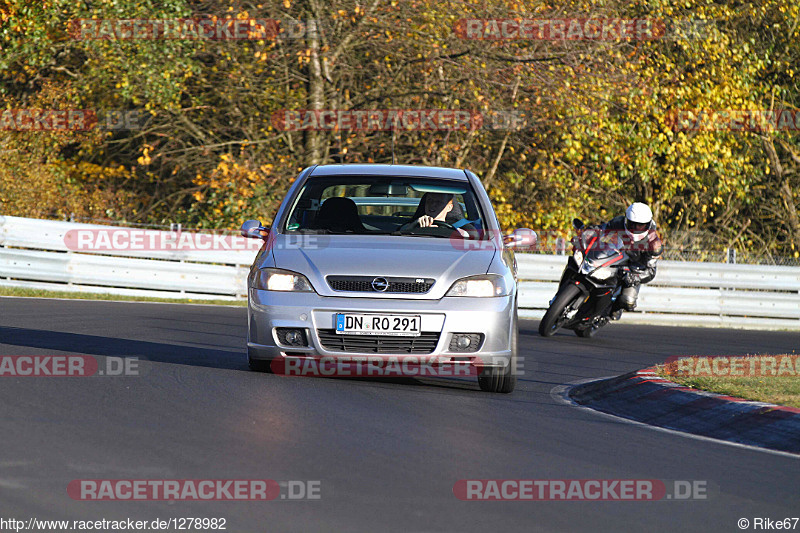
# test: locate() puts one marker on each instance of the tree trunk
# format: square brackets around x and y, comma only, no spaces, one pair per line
[315,89]
[792,218]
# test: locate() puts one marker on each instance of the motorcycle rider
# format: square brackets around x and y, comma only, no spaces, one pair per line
[643,246]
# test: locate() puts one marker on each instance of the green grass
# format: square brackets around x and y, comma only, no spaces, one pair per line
[37,293]
[780,390]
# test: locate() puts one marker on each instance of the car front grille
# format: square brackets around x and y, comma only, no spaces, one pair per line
[365,284]
[385,344]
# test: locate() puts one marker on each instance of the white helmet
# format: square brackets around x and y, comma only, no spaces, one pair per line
[638,219]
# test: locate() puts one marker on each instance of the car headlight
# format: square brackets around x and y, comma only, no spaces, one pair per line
[276,279]
[484,286]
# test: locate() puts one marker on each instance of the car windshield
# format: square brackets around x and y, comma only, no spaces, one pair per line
[380,205]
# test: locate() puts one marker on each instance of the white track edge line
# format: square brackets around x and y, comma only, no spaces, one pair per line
[560,394]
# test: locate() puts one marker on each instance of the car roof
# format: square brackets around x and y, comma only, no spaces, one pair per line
[389,170]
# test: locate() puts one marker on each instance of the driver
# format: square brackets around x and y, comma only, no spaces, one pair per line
[437,206]
[643,246]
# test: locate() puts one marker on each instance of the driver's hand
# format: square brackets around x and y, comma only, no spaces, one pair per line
[425,221]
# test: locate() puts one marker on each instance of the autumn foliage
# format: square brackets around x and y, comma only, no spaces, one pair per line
[598,129]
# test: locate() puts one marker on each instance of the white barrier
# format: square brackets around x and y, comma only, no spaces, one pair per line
[40,254]
[33,253]
[50,235]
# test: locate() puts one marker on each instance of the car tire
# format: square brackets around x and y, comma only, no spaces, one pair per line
[550,321]
[502,380]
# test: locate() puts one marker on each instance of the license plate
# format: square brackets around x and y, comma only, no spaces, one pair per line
[396,325]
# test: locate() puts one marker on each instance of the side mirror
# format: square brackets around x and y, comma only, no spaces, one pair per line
[577,223]
[252,229]
[521,238]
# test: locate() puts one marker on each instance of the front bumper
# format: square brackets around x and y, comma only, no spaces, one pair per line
[491,317]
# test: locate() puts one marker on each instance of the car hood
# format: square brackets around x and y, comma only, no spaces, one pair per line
[443,260]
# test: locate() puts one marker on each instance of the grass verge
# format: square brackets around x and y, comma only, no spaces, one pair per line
[37,293]
[771,388]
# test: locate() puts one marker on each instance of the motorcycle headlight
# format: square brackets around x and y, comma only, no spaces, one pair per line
[603,273]
[276,279]
[484,286]
[578,256]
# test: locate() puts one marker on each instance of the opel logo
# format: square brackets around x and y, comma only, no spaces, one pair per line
[380,284]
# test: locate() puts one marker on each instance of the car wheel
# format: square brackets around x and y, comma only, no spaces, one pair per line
[502,380]
[258,365]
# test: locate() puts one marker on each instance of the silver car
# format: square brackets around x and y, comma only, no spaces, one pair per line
[349,271]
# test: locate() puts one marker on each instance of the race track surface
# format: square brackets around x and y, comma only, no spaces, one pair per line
[387,453]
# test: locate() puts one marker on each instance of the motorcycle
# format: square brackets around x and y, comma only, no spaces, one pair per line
[589,285]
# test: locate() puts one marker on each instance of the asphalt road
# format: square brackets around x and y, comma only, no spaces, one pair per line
[387,453]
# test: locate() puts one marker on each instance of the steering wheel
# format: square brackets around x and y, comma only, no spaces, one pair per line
[464,234]
[414,224]
[443,224]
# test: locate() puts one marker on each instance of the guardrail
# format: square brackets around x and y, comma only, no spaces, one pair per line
[35,254]
[684,293]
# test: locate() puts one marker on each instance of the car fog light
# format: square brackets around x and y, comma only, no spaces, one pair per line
[291,337]
[465,342]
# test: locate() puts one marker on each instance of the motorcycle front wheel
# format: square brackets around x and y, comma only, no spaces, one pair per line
[555,317]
